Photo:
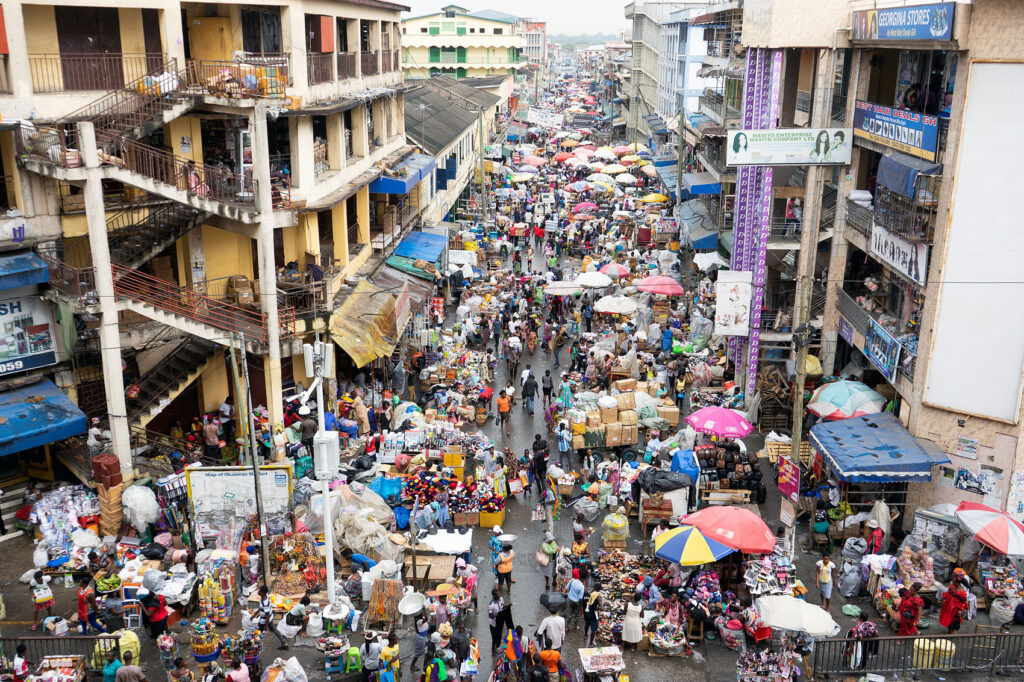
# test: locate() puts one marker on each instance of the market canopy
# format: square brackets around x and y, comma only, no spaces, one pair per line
[35,415]
[898,172]
[22,269]
[687,546]
[736,527]
[785,612]
[701,183]
[876,448]
[365,326]
[992,527]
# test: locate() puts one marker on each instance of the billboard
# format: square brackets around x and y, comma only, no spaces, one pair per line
[789,147]
[910,132]
[882,350]
[544,119]
[919,22]
[27,335]
[732,307]
[233,489]
[910,259]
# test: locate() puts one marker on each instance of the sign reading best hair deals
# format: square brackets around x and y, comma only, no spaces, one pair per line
[789,147]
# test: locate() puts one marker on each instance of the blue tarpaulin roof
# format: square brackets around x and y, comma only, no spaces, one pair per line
[22,269]
[669,176]
[701,183]
[876,448]
[418,167]
[35,415]
[423,246]
[701,231]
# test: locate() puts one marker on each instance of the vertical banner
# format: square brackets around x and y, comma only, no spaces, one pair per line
[732,303]
[789,480]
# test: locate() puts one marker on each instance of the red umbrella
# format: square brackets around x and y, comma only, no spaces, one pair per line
[992,527]
[562,156]
[660,285]
[615,270]
[733,527]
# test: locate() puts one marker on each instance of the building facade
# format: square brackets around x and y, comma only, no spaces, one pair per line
[458,43]
[535,50]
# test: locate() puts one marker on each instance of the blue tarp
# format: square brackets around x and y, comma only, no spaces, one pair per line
[669,176]
[701,183]
[876,448]
[423,246]
[701,231]
[898,172]
[684,462]
[418,166]
[35,415]
[22,269]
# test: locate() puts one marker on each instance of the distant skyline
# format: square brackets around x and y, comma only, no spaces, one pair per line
[563,16]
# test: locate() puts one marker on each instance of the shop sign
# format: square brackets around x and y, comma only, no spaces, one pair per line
[732,308]
[583,120]
[907,258]
[789,147]
[544,119]
[882,349]
[789,479]
[846,331]
[967,447]
[787,512]
[910,132]
[26,331]
[918,22]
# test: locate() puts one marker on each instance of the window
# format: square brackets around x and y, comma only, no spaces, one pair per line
[449,14]
[472,30]
[261,30]
[460,29]
[497,31]
[423,30]
[435,28]
[448,27]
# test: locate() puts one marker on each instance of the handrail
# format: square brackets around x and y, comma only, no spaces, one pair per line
[135,104]
[368,63]
[256,74]
[178,373]
[78,283]
[319,67]
[90,71]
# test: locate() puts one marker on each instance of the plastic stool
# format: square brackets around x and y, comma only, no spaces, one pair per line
[334,626]
[333,664]
[353,661]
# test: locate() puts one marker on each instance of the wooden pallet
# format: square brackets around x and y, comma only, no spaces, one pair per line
[773,450]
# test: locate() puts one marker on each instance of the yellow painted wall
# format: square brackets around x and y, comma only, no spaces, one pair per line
[7,150]
[226,253]
[40,29]
[299,370]
[130,21]
[363,209]
[338,223]
[182,127]
[76,225]
[214,386]
[298,239]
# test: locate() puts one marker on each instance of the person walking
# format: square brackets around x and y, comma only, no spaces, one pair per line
[129,672]
[825,579]
[42,596]
[266,616]
[369,652]
[505,561]
[547,386]
[590,619]
[88,609]
[632,629]
[529,393]
[505,412]
[910,610]
[551,658]
[553,629]
[954,606]
[496,618]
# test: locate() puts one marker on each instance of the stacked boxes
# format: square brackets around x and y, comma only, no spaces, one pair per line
[106,470]
[613,434]
[670,413]
[111,511]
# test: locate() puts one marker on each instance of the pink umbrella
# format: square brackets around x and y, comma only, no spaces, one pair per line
[584,206]
[534,161]
[563,156]
[584,152]
[587,145]
[615,270]
[992,527]
[734,527]
[660,285]
[720,421]
[622,149]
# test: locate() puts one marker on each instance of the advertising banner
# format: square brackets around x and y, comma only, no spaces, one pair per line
[908,258]
[544,119]
[789,147]
[846,331]
[910,132]
[882,350]
[233,489]
[732,309]
[789,480]
[584,120]
[26,331]
[919,22]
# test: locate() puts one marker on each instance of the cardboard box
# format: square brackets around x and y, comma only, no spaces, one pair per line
[669,413]
[653,388]
[609,415]
[626,401]
[430,415]
[578,443]
[641,387]
[625,384]
[629,417]
[593,417]
[613,435]
[630,435]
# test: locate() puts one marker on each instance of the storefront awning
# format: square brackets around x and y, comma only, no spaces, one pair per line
[876,448]
[393,279]
[36,415]
[701,232]
[419,254]
[701,183]
[407,173]
[365,325]
[22,269]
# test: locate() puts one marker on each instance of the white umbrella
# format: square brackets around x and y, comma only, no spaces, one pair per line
[784,612]
[620,305]
[560,288]
[600,177]
[593,280]
[605,154]
[625,179]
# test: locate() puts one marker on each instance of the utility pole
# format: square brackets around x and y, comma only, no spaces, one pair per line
[679,151]
[319,361]
[254,449]
[483,191]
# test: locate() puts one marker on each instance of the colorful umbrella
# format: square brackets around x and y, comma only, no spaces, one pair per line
[615,270]
[650,171]
[604,186]
[622,149]
[578,186]
[733,526]
[562,156]
[629,158]
[584,153]
[576,162]
[660,285]
[654,198]
[569,143]
[593,280]
[559,288]
[625,179]
[845,399]
[584,206]
[617,305]
[598,165]
[687,546]
[534,161]
[606,153]
[523,177]
[615,169]
[527,168]
[720,421]
[600,177]
[992,527]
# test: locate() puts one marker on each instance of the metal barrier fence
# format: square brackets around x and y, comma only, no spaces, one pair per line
[990,652]
[41,646]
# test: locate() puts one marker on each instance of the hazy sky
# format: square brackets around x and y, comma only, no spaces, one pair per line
[563,16]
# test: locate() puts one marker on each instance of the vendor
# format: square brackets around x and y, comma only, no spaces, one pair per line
[155,609]
[672,610]
[426,519]
[359,561]
[909,610]
[98,563]
[650,592]
[875,536]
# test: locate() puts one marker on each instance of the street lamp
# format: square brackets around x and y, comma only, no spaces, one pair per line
[319,362]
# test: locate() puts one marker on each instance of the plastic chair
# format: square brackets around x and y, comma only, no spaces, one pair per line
[763,633]
[353,661]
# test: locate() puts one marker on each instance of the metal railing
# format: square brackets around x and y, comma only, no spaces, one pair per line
[348,65]
[859,217]
[369,63]
[138,230]
[912,218]
[992,653]
[721,48]
[41,646]
[785,229]
[319,67]
[197,179]
[715,157]
[97,71]
[5,78]
[858,318]
[76,283]
[168,374]
[396,60]
[803,101]
[266,74]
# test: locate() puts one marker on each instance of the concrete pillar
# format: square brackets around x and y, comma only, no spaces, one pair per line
[174,39]
[301,134]
[110,333]
[360,141]
[265,258]
[336,141]
[363,212]
[339,225]
[19,75]
[293,30]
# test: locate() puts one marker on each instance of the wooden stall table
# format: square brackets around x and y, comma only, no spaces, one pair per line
[431,569]
[729,496]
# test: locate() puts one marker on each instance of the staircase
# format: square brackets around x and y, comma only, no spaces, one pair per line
[139,234]
[166,381]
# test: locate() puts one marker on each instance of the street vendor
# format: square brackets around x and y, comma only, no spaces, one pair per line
[909,610]
[672,609]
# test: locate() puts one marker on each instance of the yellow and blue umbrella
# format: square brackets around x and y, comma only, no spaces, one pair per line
[687,546]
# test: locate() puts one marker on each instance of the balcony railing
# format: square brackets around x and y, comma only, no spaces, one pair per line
[912,218]
[860,319]
[396,60]
[265,74]
[859,217]
[721,48]
[79,284]
[803,101]
[98,71]
[369,63]
[5,79]
[319,68]
[348,65]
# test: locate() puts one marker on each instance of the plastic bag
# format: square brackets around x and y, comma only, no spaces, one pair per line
[40,557]
[315,625]
[249,620]
[140,506]
[284,671]
[588,508]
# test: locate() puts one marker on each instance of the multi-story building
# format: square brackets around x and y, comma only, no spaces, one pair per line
[912,254]
[459,43]
[535,51]
[646,17]
[206,179]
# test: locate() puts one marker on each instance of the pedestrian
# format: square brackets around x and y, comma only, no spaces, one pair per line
[390,656]
[505,561]
[505,412]
[211,438]
[575,592]
[551,658]
[547,385]
[495,618]
[307,429]
[42,596]
[88,609]
[529,393]
[875,537]
[564,436]
[155,609]
[266,616]
[632,629]
[110,668]
[548,548]
[909,610]
[129,672]
[239,671]
[590,617]
[422,627]
[824,577]
[553,629]
[954,605]
[369,653]
[496,546]
[20,664]
[227,418]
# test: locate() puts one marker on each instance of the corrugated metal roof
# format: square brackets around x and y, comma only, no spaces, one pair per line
[365,325]
[433,121]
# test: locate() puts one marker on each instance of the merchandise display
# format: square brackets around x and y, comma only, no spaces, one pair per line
[205,641]
[770,574]
[765,666]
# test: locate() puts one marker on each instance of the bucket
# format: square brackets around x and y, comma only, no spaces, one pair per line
[924,652]
[945,650]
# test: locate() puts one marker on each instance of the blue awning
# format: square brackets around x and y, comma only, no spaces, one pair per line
[35,415]
[669,176]
[701,183]
[701,231]
[417,167]
[876,448]
[22,269]
[422,246]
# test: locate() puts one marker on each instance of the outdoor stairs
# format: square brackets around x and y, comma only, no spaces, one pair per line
[137,235]
[12,491]
[167,380]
